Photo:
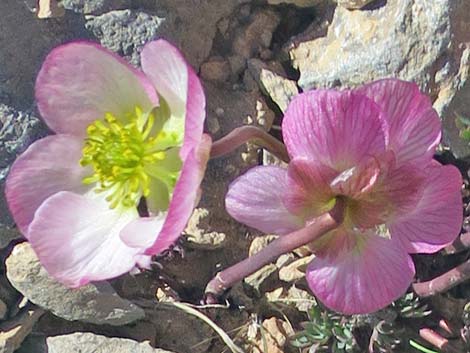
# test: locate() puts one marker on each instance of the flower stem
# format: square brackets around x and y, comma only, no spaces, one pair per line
[460,244]
[243,134]
[284,244]
[443,282]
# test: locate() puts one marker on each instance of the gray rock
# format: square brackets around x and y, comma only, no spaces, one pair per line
[17,130]
[86,342]
[353,4]
[95,303]
[95,6]
[125,31]
[415,40]
[24,48]
[299,3]
[13,332]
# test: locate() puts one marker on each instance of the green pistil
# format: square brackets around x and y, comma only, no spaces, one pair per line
[121,155]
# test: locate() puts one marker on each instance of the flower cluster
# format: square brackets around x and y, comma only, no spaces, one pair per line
[372,149]
[124,138]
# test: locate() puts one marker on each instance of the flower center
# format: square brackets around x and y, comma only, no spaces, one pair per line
[122,153]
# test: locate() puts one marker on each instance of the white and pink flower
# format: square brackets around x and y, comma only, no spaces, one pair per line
[372,148]
[122,135]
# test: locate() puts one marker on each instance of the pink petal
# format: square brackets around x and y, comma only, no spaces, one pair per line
[437,219]
[81,81]
[185,197]
[256,199]
[77,239]
[308,193]
[415,128]
[336,128]
[397,192]
[48,166]
[361,279]
[142,232]
[178,84]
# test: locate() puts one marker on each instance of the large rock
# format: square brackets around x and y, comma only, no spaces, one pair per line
[87,342]
[125,32]
[17,130]
[416,40]
[95,303]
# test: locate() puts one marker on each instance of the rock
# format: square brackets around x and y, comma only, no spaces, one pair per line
[353,4]
[192,25]
[3,309]
[50,9]
[257,35]
[94,303]
[280,89]
[17,130]
[216,69]
[414,40]
[197,235]
[125,31]
[13,332]
[87,342]
[24,48]
[299,3]
[95,6]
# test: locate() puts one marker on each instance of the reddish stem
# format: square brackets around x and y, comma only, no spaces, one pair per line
[438,341]
[460,244]
[284,244]
[444,282]
[243,134]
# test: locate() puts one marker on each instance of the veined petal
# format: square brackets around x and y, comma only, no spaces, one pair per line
[256,199]
[437,219]
[77,239]
[363,278]
[397,192]
[81,81]
[48,166]
[308,193]
[185,197]
[179,85]
[415,128]
[336,128]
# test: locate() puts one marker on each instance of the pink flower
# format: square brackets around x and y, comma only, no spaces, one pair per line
[373,148]
[121,135]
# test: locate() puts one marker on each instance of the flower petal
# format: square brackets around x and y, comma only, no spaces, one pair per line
[48,166]
[362,278]
[437,219]
[77,239]
[308,193]
[81,81]
[142,232]
[397,192]
[256,199]
[415,128]
[185,197]
[179,85]
[336,128]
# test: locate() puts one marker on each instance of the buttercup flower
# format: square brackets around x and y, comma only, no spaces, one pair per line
[122,135]
[370,148]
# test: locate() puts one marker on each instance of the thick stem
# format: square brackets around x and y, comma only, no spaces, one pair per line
[438,341]
[243,134]
[284,244]
[444,282]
